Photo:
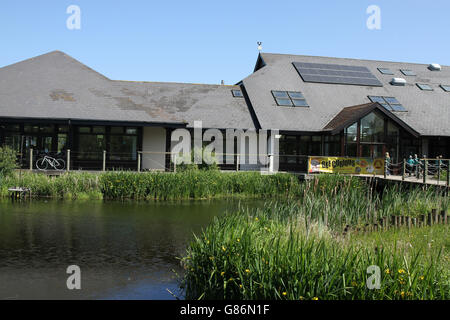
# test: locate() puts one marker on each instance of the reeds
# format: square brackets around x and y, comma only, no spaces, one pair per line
[274,253]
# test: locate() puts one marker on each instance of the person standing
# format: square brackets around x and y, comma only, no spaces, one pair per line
[388,164]
[411,165]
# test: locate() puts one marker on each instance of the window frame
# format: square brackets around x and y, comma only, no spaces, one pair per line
[422,86]
[393,107]
[291,97]
[234,91]
[386,71]
[408,72]
[445,87]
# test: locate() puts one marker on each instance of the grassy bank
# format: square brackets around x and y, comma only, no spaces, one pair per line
[276,254]
[194,184]
[296,250]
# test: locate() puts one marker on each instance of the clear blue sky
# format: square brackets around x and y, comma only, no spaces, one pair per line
[207,41]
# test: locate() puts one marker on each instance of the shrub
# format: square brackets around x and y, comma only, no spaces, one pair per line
[8,161]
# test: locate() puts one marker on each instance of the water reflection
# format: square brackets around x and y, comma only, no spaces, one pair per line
[125,250]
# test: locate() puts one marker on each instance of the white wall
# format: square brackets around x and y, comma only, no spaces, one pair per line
[154,140]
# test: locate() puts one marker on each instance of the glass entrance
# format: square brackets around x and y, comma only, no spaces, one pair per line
[372,150]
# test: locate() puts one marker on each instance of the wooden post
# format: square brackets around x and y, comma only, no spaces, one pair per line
[414,220]
[139,161]
[408,219]
[104,160]
[385,167]
[237,162]
[385,223]
[68,160]
[31,159]
[439,171]
[435,216]
[404,170]
[448,173]
[174,163]
[425,170]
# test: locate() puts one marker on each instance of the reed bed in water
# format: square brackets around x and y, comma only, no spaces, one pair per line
[275,253]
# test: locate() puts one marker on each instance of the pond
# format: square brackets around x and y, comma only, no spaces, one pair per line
[125,250]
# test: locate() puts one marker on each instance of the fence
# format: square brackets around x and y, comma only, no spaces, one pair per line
[393,222]
[418,169]
[425,170]
[70,160]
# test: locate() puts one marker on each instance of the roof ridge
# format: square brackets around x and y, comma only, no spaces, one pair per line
[353,59]
[175,83]
[54,53]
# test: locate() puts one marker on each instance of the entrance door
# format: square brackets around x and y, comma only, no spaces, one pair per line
[372,150]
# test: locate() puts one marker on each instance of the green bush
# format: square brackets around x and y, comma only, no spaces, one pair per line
[8,161]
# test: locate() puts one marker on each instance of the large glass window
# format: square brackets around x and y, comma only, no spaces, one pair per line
[288,149]
[316,146]
[351,132]
[123,144]
[91,146]
[372,128]
[332,145]
[123,147]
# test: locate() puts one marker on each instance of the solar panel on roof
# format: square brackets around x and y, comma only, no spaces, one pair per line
[336,74]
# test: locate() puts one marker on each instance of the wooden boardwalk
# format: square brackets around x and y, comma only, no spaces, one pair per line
[429,181]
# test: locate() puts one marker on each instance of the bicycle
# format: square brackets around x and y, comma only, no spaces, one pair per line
[46,161]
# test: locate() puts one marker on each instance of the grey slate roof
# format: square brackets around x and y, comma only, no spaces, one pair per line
[428,111]
[56,86]
[214,105]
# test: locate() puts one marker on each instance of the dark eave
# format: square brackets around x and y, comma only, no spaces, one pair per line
[93,122]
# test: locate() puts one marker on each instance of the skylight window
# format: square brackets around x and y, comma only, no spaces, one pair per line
[290,98]
[237,93]
[424,87]
[385,71]
[408,72]
[389,103]
[445,88]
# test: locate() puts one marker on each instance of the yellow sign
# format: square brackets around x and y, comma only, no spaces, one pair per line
[346,165]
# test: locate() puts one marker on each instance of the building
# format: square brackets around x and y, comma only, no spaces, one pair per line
[321,106]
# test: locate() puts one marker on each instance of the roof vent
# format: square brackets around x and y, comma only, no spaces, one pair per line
[398,82]
[434,67]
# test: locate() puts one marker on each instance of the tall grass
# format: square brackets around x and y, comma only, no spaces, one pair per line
[66,186]
[294,249]
[190,184]
[196,184]
[338,201]
[274,253]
